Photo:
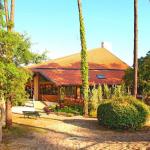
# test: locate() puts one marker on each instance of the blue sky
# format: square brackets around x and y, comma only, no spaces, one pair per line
[54,25]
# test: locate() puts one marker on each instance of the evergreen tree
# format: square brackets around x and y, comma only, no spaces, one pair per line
[107,91]
[99,93]
[94,102]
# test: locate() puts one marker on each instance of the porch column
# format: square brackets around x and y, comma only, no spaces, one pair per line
[78,92]
[36,87]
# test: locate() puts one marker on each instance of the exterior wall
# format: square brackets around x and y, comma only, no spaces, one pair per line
[50,98]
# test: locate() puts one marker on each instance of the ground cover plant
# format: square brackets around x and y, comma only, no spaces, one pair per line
[64,110]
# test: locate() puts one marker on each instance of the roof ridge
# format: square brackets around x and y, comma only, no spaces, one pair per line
[113,69]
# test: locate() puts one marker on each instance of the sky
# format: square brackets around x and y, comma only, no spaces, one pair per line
[53,25]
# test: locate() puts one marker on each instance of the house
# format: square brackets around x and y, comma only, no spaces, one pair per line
[49,77]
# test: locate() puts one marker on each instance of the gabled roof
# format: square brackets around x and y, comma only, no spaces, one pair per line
[66,70]
[97,58]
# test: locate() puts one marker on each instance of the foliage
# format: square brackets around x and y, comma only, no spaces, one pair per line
[128,78]
[15,48]
[2,22]
[107,92]
[75,110]
[99,93]
[14,53]
[143,76]
[13,77]
[84,62]
[14,83]
[38,58]
[94,102]
[62,93]
[123,113]
[119,91]
[47,110]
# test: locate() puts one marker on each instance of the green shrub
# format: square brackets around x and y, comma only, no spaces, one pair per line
[119,90]
[107,92]
[93,102]
[100,93]
[122,113]
[74,110]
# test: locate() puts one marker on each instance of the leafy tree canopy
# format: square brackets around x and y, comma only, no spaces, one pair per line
[15,48]
[2,22]
[143,75]
[14,53]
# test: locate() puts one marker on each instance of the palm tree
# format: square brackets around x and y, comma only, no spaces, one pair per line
[135,46]
[84,62]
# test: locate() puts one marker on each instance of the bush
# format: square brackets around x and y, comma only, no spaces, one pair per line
[107,92]
[100,93]
[123,113]
[47,110]
[74,110]
[93,104]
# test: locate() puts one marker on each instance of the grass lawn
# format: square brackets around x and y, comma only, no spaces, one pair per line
[59,132]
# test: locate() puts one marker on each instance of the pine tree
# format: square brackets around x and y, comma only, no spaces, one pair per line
[9,15]
[135,47]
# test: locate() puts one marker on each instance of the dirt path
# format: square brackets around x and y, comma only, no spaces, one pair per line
[58,132]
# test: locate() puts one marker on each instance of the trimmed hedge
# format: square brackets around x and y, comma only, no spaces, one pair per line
[123,113]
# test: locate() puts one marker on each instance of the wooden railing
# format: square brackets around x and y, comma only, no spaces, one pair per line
[50,98]
[67,100]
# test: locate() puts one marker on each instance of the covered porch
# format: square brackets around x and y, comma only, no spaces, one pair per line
[43,89]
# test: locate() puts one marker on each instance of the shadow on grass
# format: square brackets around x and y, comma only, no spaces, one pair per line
[22,136]
[101,134]
[94,133]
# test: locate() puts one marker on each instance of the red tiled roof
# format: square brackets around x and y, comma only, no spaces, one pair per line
[66,70]
[73,77]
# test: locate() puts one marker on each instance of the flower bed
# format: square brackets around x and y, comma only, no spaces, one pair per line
[64,110]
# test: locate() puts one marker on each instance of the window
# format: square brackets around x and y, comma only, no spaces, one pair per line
[101,76]
[48,90]
[70,91]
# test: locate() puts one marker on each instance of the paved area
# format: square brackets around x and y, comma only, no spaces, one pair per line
[57,132]
[29,106]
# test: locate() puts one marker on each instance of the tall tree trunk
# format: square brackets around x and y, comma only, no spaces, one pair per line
[84,62]
[10,25]
[135,47]
[8,113]
[12,10]
[6,13]
[9,19]
[1,120]
[1,16]
[12,14]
